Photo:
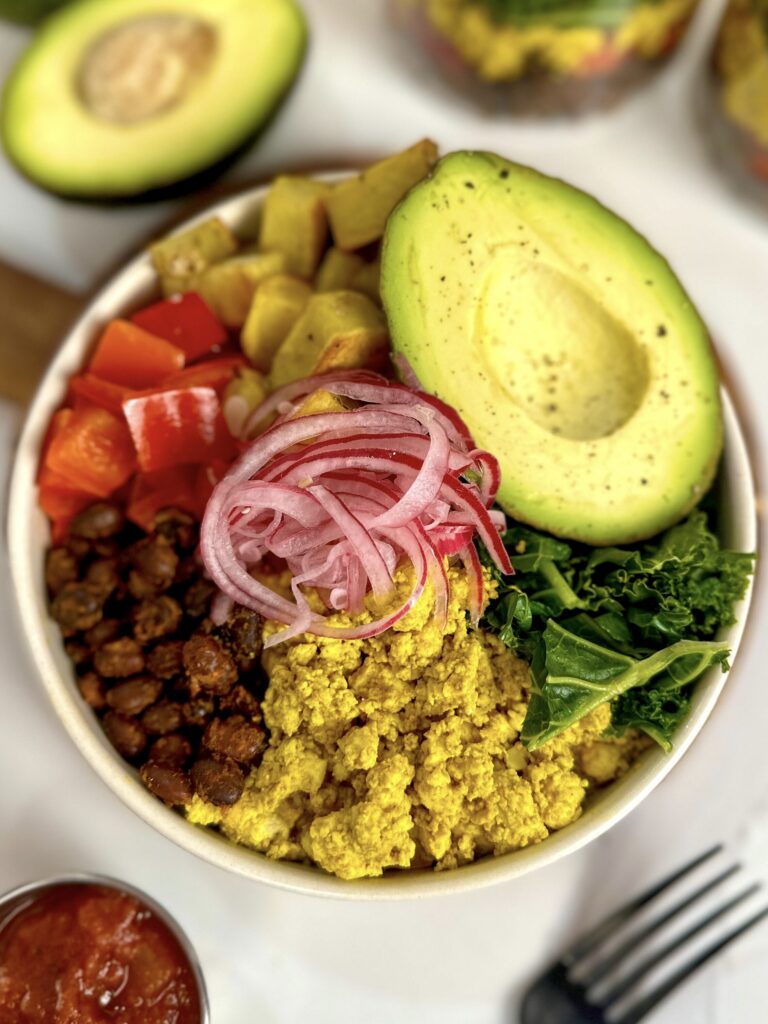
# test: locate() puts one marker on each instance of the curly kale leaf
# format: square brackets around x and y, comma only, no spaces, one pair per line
[624,605]
[684,584]
[654,710]
[572,676]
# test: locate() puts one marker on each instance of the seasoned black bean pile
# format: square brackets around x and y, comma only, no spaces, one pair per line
[177,697]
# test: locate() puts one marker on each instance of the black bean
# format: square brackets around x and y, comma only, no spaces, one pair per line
[169,784]
[61,567]
[242,702]
[155,617]
[102,633]
[109,547]
[197,712]
[198,597]
[163,718]
[154,566]
[177,527]
[77,606]
[97,521]
[119,658]
[125,734]
[135,695]
[80,548]
[174,750]
[104,575]
[236,738]
[77,652]
[92,690]
[218,782]
[187,570]
[208,665]
[242,633]
[165,660]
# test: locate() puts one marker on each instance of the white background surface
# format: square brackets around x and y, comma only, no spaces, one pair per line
[276,958]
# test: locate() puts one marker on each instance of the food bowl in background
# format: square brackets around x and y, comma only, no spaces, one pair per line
[544,59]
[732,99]
[28,538]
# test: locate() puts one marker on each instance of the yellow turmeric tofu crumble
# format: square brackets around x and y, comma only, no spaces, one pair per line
[403,750]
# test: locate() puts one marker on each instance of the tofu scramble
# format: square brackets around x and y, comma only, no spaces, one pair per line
[403,751]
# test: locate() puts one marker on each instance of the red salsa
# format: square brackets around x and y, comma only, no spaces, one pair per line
[87,954]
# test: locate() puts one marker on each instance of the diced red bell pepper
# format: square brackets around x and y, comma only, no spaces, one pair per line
[213,373]
[172,427]
[57,498]
[92,452]
[58,421]
[133,358]
[92,390]
[150,492]
[186,320]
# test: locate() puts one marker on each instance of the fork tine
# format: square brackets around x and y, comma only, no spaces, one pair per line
[608,963]
[644,1007]
[587,943]
[628,982]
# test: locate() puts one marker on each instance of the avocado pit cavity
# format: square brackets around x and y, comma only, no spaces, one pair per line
[145,66]
[530,327]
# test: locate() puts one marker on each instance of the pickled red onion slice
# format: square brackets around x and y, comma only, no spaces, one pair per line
[345,498]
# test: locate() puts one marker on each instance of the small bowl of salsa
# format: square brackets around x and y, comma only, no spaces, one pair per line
[95,950]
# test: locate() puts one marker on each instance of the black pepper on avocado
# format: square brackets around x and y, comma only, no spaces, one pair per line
[122,97]
[523,303]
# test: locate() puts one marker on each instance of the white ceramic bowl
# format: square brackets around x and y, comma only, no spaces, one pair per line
[28,537]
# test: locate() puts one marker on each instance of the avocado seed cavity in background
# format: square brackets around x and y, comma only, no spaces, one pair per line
[145,66]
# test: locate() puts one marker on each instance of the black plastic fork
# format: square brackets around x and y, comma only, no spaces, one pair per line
[559,996]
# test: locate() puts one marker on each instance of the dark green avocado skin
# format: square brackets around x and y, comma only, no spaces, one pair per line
[27,12]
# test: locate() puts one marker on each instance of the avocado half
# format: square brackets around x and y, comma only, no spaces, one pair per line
[563,339]
[115,98]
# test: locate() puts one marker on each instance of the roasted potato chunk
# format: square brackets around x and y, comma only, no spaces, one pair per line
[179,258]
[338,270]
[366,280]
[320,401]
[337,330]
[229,287]
[358,207]
[277,305]
[294,223]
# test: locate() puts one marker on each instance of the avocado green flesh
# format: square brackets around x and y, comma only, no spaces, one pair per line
[563,339]
[54,138]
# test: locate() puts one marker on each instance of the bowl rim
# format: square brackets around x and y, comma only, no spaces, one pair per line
[14,899]
[131,285]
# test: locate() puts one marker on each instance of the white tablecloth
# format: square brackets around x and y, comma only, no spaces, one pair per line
[276,958]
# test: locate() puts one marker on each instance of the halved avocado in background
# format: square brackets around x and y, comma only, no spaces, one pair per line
[563,339]
[119,97]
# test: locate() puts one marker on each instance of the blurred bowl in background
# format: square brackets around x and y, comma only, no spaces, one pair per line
[543,59]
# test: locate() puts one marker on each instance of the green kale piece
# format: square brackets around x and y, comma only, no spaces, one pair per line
[572,610]
[572,676]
